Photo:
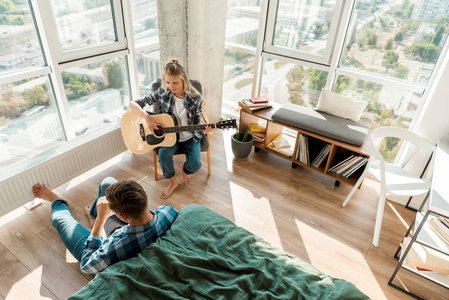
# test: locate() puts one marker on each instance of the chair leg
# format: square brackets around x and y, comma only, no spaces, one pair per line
[351,193]
[379,217]
[155,165]
[208,162]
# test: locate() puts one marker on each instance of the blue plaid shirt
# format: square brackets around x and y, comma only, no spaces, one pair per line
[126,242]
[166,104]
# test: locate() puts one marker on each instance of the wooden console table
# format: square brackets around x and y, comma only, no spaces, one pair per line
[339,150]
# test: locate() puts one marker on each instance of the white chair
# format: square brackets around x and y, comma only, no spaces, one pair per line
[393,178]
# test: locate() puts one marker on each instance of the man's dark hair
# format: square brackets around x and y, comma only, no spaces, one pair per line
[127,197]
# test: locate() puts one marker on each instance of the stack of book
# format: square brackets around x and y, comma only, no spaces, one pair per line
[425,258]
[258,132]
[303,150]
[255,104]
[441,226]
[348,166]
[283,144]
[321,156]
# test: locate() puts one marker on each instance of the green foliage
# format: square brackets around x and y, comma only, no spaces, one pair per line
[390,60]
[6,5]
[150,24]
[398,37]
[318,30]
[341,85]
[113,71]
[36,96]
[317,80]
[242,136]
[76,85]
[389,148]
[389,44]
[401,72]
[438,36]
[426,51]
[17,21]
[88,4]
[295,83]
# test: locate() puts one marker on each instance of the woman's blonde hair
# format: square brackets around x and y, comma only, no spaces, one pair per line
[173,68]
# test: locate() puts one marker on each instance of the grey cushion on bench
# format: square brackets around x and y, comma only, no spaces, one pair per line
[330,126]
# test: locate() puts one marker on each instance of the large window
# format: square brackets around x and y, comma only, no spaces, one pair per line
[19,45]
[302,28]
[381,52]
[65,69]
[146,38]
[242,23]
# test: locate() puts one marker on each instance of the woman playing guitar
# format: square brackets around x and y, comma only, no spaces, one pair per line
[176,97]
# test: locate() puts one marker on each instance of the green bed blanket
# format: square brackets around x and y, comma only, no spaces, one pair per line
[206,256]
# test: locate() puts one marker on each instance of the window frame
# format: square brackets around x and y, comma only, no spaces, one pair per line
[269,47]
[50,27]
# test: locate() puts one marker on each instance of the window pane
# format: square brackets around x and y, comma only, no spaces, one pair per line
[19,46]
[303,25]
[238,79]
[148,67]
[386,106]
[242,23]
[397,39]
[96,93]
[290,83]
[83,24]
[29,123]
[144,14]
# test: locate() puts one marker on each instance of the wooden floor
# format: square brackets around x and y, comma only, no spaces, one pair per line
[296,210]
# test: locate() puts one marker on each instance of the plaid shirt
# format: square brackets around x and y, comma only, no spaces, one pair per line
[126,242]
[166,104]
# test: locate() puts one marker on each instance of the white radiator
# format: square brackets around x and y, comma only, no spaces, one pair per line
[56,166]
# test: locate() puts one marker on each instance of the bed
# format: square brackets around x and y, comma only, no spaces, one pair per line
[206,256]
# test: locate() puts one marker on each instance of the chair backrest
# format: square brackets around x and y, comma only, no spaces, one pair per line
[417,141]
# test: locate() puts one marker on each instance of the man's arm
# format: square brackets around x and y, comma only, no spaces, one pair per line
[92,261]
[103,212]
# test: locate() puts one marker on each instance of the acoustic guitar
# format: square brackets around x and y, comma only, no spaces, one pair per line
[139,139]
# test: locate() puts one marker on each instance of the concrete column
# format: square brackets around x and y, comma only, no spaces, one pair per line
[194,32]
[205,39]
[172,24]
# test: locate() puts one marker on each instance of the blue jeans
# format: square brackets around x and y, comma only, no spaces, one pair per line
[192,151]
[72,233]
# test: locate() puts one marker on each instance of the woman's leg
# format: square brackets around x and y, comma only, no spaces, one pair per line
[165,158]
[168,169]
[72,233]
[192,150]
[101,192]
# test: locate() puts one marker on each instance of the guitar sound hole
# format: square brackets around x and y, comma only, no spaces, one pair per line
[158,132]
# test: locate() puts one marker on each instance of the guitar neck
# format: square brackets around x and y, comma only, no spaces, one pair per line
[188,127]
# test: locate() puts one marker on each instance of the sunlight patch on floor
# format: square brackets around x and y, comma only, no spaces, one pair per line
[311,236]
[246,207]
[227,134]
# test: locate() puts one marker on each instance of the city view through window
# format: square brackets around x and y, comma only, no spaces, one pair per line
[389,52]
[95,92]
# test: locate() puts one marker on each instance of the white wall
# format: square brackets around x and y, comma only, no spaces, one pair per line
[434,122]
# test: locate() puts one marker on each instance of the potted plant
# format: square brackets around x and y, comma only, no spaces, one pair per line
[242,142]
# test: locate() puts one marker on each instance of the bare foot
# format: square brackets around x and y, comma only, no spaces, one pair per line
[87,212]
[43,192]
[170,188]
[185,178]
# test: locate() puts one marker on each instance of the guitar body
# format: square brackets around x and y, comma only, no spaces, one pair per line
[139,142]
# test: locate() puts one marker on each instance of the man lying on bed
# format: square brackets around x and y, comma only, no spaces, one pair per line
[128,200]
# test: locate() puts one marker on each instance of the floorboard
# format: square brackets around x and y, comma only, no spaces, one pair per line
[294,209]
